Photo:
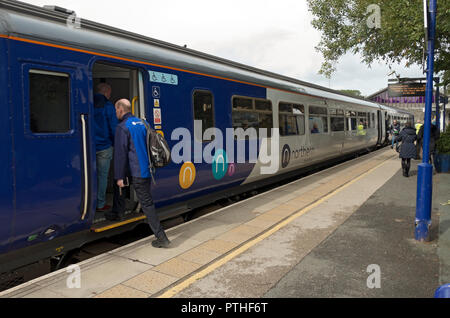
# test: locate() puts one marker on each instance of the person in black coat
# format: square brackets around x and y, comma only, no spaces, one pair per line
[408,149]
[434,136]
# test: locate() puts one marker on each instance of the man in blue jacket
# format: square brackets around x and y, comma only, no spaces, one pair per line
[131,158]
[105,121]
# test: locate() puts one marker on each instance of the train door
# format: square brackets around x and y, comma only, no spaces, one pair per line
[50,145]
[125,82]
[337,127]
[380,128]
[319,131]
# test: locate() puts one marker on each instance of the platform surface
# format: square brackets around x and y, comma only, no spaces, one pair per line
[314,237]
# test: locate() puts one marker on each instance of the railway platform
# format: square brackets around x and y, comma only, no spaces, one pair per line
[347,231]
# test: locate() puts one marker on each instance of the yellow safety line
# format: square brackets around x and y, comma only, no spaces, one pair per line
[186,283]
[112,226]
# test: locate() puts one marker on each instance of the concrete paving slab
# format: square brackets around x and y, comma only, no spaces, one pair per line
[219,246]
[150,282]
[262,222]
[204,229]
[240,234]
[121,291]
[200,256]
[177,267]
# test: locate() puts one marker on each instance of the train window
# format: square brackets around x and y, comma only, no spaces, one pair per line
[252,113]
[266,121]
[353,124]
[318,125]
[337,123]
[285,108]
[373,121]
[243,103]
[245,120]
[204,111]
[315,110]
[318,120]
[291,119]
[288,125]
[263,105]
[49,102]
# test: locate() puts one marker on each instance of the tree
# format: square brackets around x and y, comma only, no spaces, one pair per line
[347,26]
[352,92]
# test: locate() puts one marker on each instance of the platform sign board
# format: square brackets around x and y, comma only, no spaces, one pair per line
[407,89]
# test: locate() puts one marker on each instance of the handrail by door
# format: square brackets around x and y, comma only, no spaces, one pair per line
[85,165]
[133,105]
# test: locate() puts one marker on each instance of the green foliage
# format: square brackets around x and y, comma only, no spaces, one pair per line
[443,144]
[351,92]
[344,28]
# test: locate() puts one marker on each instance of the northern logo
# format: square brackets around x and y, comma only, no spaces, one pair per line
[285,156]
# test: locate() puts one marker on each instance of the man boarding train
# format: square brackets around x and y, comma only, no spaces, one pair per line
[131,160]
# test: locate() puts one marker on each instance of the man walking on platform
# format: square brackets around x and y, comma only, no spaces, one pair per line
[131,159]
[395,131]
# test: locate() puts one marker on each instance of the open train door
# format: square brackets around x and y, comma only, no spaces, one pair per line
[381,129]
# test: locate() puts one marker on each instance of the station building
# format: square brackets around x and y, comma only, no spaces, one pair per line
[413,104]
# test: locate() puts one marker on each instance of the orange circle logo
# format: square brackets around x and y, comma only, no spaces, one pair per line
[187,175]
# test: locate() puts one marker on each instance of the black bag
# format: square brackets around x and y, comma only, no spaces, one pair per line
[157,148]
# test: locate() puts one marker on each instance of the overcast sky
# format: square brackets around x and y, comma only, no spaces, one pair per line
[272,35]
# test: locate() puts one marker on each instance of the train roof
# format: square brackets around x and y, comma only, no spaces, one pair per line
[23,20]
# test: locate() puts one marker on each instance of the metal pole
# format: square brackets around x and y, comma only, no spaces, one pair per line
[425,172]
[438,111]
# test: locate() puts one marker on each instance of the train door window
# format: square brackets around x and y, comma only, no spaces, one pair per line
[291,119]
[373,121]
[204,110]
[49,95]
[318,120]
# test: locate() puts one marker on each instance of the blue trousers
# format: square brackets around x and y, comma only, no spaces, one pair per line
[394,139]
[104,158]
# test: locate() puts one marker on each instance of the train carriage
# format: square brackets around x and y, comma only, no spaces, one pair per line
[49,71]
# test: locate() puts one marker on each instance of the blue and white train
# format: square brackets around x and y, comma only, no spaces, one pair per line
[49,69]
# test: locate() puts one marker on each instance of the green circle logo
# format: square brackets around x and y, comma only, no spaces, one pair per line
[220,164]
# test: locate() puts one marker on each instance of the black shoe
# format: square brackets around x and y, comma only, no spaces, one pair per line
[161,241]
[113,216]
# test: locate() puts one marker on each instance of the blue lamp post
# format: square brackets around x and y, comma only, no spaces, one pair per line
[425,172]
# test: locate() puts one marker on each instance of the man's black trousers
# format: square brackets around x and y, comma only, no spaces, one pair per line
[143,192]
